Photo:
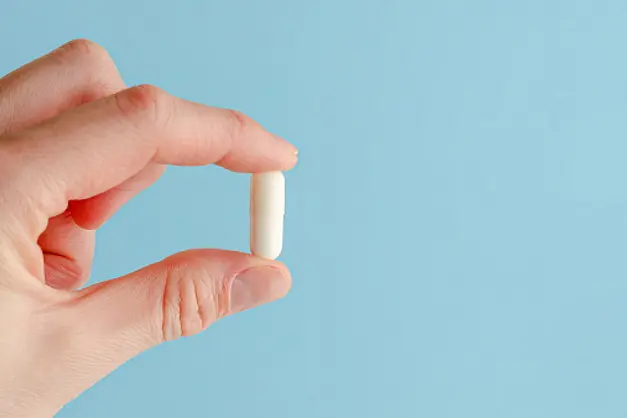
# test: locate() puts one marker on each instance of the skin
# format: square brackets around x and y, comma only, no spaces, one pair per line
[75,145]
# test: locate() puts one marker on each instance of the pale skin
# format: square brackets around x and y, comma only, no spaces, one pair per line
[75,145]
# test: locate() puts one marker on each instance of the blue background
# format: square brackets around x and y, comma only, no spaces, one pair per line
[457,226]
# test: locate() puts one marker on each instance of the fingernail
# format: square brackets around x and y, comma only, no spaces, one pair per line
[294,149]
[255,286]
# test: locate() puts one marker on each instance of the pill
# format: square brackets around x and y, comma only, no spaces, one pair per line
[267,209]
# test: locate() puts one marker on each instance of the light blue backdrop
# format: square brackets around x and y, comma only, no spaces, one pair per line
[457,226]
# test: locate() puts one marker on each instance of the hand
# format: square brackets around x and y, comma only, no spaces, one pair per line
[75,145]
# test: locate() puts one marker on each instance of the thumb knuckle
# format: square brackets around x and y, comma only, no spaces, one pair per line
[193,298]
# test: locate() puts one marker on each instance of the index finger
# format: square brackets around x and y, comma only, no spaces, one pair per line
[92,148]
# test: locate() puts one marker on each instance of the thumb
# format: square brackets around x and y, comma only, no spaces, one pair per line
[179,296]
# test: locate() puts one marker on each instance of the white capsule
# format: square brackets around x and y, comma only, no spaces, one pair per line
[267,209]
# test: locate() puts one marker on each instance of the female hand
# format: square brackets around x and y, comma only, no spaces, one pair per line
[75,145]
